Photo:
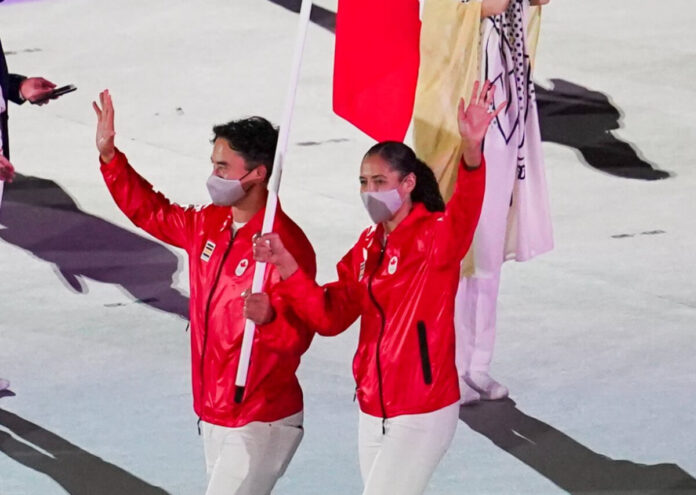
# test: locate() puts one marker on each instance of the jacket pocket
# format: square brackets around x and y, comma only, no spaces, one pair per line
[424,353]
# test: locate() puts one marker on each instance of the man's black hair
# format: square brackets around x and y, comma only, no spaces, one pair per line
[254,138]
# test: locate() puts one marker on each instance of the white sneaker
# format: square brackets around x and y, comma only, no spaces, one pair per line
[4,384]
[486,386]
[468,396]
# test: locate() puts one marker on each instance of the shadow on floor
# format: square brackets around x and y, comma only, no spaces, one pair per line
[40,217]
[77,471]
[570,465]
[575,116]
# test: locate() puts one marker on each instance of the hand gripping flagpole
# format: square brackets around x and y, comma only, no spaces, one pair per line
[272,201]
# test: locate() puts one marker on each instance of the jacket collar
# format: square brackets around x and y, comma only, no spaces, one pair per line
[253,226]
[417,213]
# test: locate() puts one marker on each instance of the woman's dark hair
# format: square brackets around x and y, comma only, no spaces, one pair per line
[254,138]
[402,159]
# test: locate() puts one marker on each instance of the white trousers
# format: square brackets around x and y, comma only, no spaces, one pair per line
[475,310]
[401,460]
[250,459]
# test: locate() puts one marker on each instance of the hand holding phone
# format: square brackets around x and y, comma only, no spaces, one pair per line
[55,93]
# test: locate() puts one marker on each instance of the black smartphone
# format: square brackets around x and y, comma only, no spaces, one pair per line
[56,93]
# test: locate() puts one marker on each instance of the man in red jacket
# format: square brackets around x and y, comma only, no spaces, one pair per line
[249,445]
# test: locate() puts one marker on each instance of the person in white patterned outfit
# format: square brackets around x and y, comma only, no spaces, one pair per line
[515,220]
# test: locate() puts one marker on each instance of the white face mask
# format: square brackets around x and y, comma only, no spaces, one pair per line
[382,205]
[225,192]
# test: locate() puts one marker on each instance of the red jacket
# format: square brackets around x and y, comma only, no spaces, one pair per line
[404,293]
[221,267]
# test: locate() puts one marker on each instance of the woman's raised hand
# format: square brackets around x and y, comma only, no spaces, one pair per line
[105,126]
[474,119]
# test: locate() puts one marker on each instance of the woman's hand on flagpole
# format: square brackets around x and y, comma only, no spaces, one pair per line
[105,127]
[268,248]
[474,120]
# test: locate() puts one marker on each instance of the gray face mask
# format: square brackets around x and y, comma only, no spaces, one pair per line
[225,192]
[381,205]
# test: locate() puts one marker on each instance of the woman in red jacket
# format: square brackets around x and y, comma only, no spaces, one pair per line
[400,278]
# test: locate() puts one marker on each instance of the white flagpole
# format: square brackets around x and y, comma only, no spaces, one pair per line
[273,187]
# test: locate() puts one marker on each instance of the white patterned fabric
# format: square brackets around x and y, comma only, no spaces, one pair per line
[515,220]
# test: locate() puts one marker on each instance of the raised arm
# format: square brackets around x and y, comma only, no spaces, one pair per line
[329,309]
[458,224]
[149,210]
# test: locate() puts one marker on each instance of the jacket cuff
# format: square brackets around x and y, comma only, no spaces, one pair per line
[481,166]
[119,159]
[293,285]
[13,94]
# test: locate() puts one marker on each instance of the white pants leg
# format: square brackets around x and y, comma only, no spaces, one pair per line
[402,460]
[475,313]
[250,459]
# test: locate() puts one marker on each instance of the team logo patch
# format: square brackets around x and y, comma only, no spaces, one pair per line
[241,267]
[393,263]
[208,251]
